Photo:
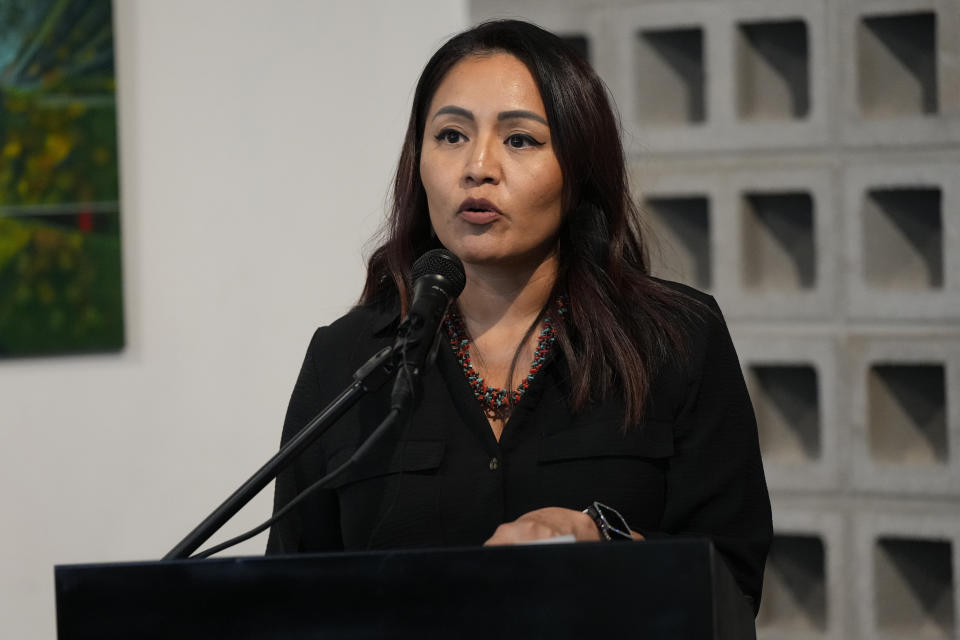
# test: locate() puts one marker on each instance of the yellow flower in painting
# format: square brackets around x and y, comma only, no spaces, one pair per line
[64,180]
[101,155]
[76,109]
[58,146]
[12,149]
[13,238]
[15,104]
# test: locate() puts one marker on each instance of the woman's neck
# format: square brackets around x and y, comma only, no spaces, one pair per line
[505,297]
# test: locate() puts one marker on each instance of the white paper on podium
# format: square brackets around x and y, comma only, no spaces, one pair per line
[564,538]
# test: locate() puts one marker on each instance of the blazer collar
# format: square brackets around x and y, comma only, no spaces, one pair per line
[385,320]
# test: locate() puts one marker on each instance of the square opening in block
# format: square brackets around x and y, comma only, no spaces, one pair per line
[794,585]
[778,241]
[670,76]
[579,42]
[787,403]
[682,238]
[903,238]
[897,65]
[772,70]
[907,414]
[913,587]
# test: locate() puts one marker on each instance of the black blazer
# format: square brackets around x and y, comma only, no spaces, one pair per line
[691,468]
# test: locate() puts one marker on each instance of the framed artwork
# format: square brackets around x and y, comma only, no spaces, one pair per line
[60,267]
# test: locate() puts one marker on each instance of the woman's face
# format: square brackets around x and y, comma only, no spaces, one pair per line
[488,166]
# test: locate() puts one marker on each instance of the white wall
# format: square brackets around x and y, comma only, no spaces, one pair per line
[257,144]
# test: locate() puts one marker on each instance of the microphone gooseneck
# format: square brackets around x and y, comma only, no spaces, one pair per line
[438,278]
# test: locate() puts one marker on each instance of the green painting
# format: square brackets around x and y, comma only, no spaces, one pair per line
[60,276]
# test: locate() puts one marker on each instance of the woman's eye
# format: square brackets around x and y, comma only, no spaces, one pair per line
[519,141]
[450,136]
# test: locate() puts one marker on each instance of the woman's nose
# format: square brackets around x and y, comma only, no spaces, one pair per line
[483,163]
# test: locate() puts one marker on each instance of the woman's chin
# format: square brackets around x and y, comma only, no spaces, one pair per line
[490,252]
[480,253]
[520,264]
[482,258]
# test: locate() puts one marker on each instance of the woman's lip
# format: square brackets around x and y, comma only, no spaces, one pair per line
[479,217]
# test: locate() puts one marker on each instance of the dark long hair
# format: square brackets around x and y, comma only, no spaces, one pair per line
[620,324]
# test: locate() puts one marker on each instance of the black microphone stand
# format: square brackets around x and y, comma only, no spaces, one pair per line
[370,377]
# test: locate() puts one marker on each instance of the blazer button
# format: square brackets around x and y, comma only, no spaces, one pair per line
[494,464]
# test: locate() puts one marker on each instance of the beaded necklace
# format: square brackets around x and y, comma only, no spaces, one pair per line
[496,402]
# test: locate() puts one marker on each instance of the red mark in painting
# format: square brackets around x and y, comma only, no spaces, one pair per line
[85,221]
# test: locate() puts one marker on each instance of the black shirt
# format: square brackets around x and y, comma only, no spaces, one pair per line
[691,468]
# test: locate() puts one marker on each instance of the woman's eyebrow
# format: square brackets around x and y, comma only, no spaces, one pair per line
[520,113]
[457,111]
[503,115]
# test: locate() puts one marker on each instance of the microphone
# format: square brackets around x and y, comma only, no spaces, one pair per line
[438,278]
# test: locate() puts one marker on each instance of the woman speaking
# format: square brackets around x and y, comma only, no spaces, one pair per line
[573,394]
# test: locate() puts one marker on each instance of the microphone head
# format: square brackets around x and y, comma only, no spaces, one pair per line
[440,262]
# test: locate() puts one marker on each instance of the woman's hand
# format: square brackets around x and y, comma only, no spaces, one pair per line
[548,522]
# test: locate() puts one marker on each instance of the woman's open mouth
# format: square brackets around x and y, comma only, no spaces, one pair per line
[478,211]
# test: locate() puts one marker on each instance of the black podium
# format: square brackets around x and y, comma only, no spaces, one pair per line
[677,589]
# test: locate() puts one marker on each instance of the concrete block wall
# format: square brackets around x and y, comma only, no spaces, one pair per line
[800,160]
